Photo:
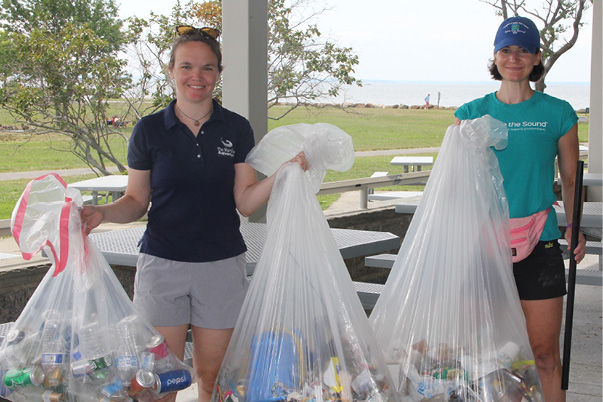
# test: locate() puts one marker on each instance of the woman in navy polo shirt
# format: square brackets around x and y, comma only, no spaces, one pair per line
[190,157]
[541,128]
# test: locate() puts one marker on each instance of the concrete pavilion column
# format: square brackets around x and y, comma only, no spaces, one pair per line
[595,127]
[245,59]
[245,53]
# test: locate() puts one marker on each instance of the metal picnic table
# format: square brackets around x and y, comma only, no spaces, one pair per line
[113,184]
[120,247]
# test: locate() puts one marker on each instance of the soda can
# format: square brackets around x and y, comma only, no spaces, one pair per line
[171,381]
[54,377]
[14,337]
[142,383]
[51,396]
[80,368]
[158,347]
[101,363]
[24,377]
[4,391]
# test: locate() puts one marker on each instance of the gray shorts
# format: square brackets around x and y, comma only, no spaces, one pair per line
[204,294]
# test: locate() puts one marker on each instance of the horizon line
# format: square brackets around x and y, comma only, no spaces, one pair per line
[462,82]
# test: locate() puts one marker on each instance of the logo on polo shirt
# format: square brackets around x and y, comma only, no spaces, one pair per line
[227,150]
[527,125]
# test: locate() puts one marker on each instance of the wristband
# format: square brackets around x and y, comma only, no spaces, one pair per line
[569,225]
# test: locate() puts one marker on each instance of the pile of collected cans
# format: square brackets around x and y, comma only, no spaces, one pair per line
[126,362]
[334,384]
[447,374]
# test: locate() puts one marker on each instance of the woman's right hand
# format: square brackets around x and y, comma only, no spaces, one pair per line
[91,216]
[300,158]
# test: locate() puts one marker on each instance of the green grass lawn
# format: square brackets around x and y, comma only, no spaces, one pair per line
[370,129]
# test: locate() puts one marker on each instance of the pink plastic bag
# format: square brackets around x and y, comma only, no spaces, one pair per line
[79,337]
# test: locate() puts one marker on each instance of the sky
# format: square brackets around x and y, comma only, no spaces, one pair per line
[416,40]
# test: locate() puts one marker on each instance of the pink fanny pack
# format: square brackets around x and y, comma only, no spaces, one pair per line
[525,233]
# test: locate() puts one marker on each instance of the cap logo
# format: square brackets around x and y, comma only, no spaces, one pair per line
[515,28]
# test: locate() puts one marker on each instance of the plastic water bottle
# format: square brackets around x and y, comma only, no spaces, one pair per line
[53,348]
[507,354]
[127,345]
[95,349]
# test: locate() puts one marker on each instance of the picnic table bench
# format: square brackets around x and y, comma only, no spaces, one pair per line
[413,163]
[583,276]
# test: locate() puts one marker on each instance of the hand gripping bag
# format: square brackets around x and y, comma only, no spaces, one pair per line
[449,320]
[79,338]
[302,334]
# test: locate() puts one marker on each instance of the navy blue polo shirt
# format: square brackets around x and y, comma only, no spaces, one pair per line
[193,216]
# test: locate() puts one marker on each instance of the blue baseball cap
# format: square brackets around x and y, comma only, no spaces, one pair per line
[518,31]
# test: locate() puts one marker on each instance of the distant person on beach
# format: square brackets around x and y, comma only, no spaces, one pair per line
[427,101]
[535,121]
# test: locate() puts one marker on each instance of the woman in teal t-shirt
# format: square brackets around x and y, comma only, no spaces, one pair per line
[541,128]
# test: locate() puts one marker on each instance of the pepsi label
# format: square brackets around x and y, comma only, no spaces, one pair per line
[171,381]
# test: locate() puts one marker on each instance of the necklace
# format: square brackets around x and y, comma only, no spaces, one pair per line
[197,121]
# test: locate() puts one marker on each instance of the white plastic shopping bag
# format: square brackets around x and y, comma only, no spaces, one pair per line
[449,320]
[302,334]
[79,338]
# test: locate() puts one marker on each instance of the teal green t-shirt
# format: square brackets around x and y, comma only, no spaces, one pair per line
[527,163]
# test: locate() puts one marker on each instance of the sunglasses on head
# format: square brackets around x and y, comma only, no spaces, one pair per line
[190,30]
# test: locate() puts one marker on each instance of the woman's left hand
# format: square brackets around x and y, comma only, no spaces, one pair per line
[301,159]
[580,250]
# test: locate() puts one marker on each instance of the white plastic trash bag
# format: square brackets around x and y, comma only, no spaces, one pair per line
[449,320]
[79,338]
[302,334]
[326,147]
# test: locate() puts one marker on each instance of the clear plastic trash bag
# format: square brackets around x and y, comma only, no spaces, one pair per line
[326,147]
[79,338]
[449,320]
[302,334]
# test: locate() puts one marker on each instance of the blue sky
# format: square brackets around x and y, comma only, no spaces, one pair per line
[413,40]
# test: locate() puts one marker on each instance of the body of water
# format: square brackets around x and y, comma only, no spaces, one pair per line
[449,93]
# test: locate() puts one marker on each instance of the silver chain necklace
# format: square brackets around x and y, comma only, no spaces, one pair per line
[197,121]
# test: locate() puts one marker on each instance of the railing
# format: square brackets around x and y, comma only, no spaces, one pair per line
[366,183]
[334,187]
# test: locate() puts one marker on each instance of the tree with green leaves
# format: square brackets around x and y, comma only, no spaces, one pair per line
[59,69]
[561,21]
[302,66]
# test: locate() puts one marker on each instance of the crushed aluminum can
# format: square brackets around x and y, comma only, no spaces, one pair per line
[158,347]
[54,377]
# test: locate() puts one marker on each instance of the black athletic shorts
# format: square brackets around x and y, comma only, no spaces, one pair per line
[541,275]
